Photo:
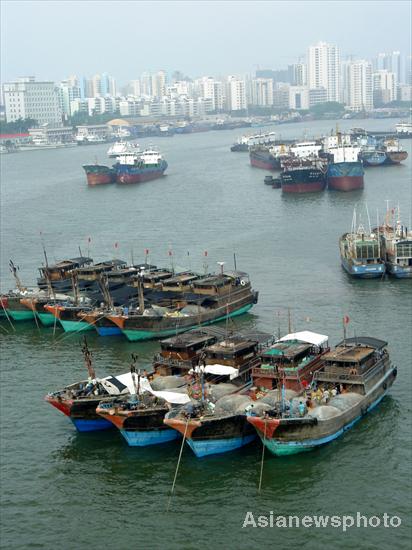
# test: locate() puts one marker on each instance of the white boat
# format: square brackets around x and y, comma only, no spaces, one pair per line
[122,148]
[404,129]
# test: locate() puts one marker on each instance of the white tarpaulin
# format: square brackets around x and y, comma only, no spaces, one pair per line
[123,384]
[222,370]
[306,336]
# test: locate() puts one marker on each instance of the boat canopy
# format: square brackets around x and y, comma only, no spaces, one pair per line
[306,336]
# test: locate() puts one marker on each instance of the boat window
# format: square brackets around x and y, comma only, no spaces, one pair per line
[404,249]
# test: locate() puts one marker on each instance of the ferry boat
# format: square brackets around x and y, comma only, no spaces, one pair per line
[121,148]
[404,129]
[352,381]
[216,298]
[139,167]
[98,174]
[345,170]
[360,252]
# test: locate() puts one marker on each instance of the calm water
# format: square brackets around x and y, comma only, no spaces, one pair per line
[60,488]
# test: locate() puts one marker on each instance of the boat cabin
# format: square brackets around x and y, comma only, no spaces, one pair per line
[62,270]
[154,277]
[291,361]
[355,363]
[92,272]
[182,352]
[180,281]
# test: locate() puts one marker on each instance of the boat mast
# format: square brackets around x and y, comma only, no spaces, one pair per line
[88,359]
[14,270]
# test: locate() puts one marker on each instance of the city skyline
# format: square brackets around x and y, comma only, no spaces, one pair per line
[178,38]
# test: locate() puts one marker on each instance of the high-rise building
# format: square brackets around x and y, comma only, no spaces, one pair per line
[26,98]
[297,74]
[262,92]
[236,94]
[146,84]
[69,90]
[158,84]
[211,89]
[391,62]
[384,87]
[324,69]
[358,85]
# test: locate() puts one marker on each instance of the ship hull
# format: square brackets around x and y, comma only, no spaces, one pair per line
[398,271]
[373,159]
[85,425]
[284,438]
[345,176]
[305,180]
[75,326]
[266,162]
[46,319]
[368,271]
[81,413]
[134,335]
[152,437]
[98,174]
[130,174]
[395,157]
[219,446]
[20,315]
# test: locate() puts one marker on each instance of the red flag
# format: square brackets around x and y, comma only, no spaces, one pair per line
[346,319]
[146,251]
[170,253]
[205,253]
[116,245]
[89,240]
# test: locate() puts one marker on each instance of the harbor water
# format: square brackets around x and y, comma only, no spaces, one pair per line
[62,488]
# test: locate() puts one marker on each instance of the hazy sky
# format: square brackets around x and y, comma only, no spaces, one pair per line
[54,39]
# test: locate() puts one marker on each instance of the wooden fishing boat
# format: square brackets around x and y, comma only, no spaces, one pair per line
[79,401]
[217,298]
[352,381]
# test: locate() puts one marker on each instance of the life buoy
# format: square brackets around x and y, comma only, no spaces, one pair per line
[243,283]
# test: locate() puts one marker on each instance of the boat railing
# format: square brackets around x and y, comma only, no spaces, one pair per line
[170,362]
[340,375]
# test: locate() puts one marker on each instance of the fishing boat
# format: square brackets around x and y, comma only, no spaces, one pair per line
[360,252]
[396,246]
[215,421]
[352,381]
[139,417]
[79,401]
[98,174]
[59,275]
[213,299]
[139,167]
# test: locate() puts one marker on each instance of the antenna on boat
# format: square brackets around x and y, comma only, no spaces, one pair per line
[369,220]
[146,256]
[14,269]
[234,260]
[80,252]
[205,264]
[171,259]
[289,321]
[88,359]
[189,260]
[278,325]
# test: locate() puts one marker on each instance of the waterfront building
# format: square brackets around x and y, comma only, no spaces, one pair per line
[27,98]
[324,69]
[49,135]
[384,87]
[212,90]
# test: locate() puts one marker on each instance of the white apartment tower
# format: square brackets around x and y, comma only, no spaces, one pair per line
[359,85]
[262,92]
[324,69]
[384,87]
[213,90]
[236,94]
[26,98]
[159,84]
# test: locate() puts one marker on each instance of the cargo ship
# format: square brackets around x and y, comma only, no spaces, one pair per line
[139,167]
[261,157]
[345,170]
[97,174]
[394,152]
[302,175]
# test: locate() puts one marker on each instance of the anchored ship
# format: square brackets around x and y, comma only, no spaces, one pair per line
[139,167]
[345,170]
[98,174]
[351,381]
